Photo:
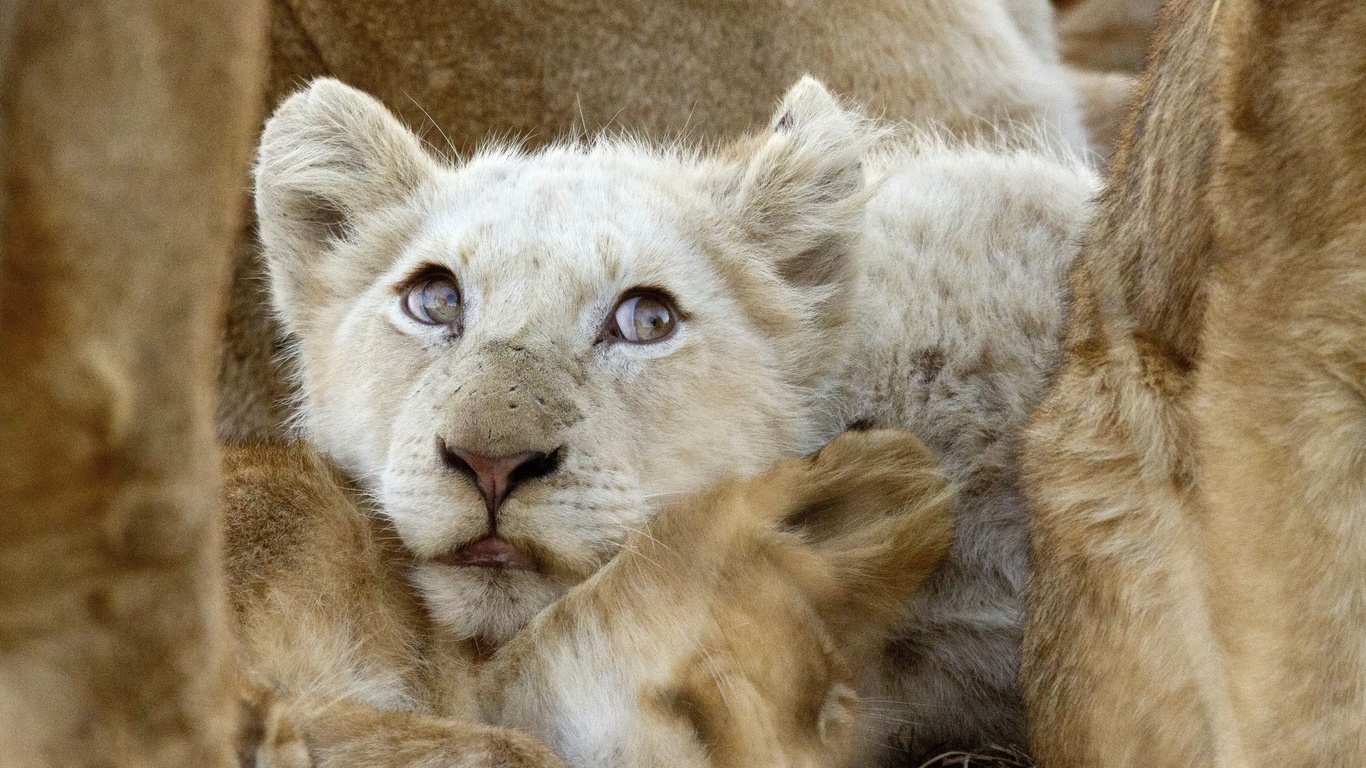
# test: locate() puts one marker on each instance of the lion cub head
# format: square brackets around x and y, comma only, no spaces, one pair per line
[736,628]
[520,354]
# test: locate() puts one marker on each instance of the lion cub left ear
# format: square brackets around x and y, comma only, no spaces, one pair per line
[330,157]
[799,196]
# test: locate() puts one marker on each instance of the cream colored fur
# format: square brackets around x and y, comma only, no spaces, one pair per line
[463,70]
[826,270]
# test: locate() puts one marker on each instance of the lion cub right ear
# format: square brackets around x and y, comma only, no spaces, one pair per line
[330,158]
[799,194]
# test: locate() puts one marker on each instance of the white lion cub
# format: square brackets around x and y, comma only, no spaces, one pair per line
[523,355]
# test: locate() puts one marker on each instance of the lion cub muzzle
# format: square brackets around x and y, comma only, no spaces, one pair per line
[495,478]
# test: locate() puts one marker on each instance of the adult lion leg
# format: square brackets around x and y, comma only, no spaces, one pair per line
[1281,412]
[1117,665]
[127,127]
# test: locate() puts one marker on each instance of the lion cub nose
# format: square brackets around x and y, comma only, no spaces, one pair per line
[497,476]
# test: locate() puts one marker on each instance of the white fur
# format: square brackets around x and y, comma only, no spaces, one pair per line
[814,265]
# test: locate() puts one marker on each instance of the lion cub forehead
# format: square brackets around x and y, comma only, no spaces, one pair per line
[568,215]
[612,182]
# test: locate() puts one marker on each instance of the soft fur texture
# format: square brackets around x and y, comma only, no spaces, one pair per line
[120,193]
[1118,654]
[730,632]
[733,628]
[1196,471]
[1103,45]
[464,71]
[1278,401]
[1106,35]
[825,272]
[338,663]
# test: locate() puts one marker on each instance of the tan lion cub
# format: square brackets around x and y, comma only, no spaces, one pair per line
[731,631]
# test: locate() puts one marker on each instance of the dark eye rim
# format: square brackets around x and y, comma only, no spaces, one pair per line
[422,275]
[609,327]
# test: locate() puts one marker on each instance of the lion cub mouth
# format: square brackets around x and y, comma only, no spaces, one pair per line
[490,552]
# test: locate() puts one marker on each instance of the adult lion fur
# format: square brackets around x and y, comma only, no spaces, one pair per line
[121,162]
[1278,403]
[1117,644]
[1195,471]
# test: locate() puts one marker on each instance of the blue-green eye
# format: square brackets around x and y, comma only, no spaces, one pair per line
[434,301]
[643,318]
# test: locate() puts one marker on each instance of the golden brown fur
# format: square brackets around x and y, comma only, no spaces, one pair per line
[1195,472]
[734,629]
[465,71]
[1106,35]
[121,164]
[1115,644]
[789,582]
[1278,404]
[333,650]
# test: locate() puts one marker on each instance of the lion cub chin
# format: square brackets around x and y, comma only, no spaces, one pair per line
[733,630]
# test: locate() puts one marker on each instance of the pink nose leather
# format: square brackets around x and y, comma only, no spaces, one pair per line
[493,474]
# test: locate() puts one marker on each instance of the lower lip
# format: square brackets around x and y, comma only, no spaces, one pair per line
[489,555]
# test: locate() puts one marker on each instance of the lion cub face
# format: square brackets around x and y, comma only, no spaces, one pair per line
[735,629]
[521,354]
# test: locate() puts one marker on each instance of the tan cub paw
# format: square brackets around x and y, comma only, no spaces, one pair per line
[346,735]
[267,734]
[735,628]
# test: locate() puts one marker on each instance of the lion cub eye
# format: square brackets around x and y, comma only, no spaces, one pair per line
[433,300]
[643,318]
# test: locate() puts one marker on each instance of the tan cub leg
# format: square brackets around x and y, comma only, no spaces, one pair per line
[338,664]
[735,629]
[347,735]
[126,135]
[311,734]
[1282,406]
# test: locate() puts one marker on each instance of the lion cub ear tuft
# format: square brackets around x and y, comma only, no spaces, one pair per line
[329,156]
[800,194]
